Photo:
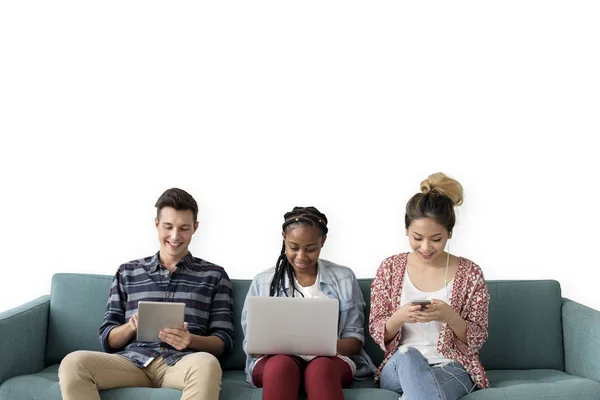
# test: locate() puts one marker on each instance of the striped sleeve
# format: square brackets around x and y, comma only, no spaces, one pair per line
[220,321]
[115,311]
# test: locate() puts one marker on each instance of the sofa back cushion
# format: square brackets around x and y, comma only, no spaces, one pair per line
[77,305]
[525,326]
[372,348]
[525,330]
[237,358]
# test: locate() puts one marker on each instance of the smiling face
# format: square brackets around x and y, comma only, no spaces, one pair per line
[427,239]
[303,245]
[175,229]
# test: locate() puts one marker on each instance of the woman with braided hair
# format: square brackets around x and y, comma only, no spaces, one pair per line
[429,308]
[299,272]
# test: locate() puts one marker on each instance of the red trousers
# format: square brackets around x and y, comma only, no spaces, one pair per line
[280,377]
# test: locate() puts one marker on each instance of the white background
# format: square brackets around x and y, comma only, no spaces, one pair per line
[255,107]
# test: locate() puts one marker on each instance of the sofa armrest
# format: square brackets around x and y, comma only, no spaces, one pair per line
[581,341]
[23,338]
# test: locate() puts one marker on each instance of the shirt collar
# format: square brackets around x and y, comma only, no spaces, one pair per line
[323,276]
[186,262]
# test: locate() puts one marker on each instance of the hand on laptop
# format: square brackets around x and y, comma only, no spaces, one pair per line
[178,338]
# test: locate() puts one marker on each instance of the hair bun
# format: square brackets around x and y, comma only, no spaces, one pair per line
[443,185]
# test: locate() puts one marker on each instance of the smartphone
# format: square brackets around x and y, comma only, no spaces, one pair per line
[421,303]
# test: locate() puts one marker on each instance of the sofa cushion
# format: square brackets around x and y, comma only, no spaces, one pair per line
[77,306]
[237,358]
[536,384]
[525,328]
[372,348]
[525,317]
[581,325]
[44,386]
[23,332]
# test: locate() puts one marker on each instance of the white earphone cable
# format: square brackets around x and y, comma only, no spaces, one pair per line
[434,346]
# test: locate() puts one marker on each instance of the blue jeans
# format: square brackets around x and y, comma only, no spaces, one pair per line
[409,373]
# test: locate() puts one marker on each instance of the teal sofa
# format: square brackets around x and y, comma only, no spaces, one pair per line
[540,345]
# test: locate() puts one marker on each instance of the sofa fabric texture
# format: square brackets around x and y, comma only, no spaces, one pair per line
[540,345]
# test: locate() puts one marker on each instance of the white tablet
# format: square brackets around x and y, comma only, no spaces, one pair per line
[154,316]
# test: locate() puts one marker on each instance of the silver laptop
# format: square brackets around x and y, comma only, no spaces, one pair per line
[292,325]
[154,316]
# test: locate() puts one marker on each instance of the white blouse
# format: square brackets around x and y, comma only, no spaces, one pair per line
[423,336]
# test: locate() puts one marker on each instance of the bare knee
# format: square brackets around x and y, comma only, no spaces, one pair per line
[408,352]
[409,357]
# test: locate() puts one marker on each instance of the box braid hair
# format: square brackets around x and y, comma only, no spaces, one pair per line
[299,216]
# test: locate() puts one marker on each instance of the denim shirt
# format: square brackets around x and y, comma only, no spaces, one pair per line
[337,282]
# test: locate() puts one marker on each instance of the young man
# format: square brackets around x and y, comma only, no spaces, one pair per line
[185,358]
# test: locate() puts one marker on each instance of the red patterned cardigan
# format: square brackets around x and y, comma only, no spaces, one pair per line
[469,297]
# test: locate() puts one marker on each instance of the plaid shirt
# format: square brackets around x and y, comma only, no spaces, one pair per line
[203,287]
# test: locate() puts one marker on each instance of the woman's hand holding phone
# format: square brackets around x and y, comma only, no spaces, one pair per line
[406,313]
[436,311]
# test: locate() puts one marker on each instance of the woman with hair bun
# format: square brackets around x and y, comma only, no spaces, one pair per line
[429,308]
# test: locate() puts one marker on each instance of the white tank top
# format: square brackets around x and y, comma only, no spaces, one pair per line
[311,291]
[423,336]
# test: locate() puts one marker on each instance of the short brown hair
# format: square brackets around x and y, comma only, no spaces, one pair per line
[178,199]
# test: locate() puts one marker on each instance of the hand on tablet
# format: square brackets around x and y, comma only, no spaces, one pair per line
[178,338]
[133,322]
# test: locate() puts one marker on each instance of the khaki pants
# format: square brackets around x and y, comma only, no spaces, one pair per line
[83,373]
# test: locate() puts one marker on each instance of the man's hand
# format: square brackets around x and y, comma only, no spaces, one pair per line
[121,335]
[180,339]
[133,322]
